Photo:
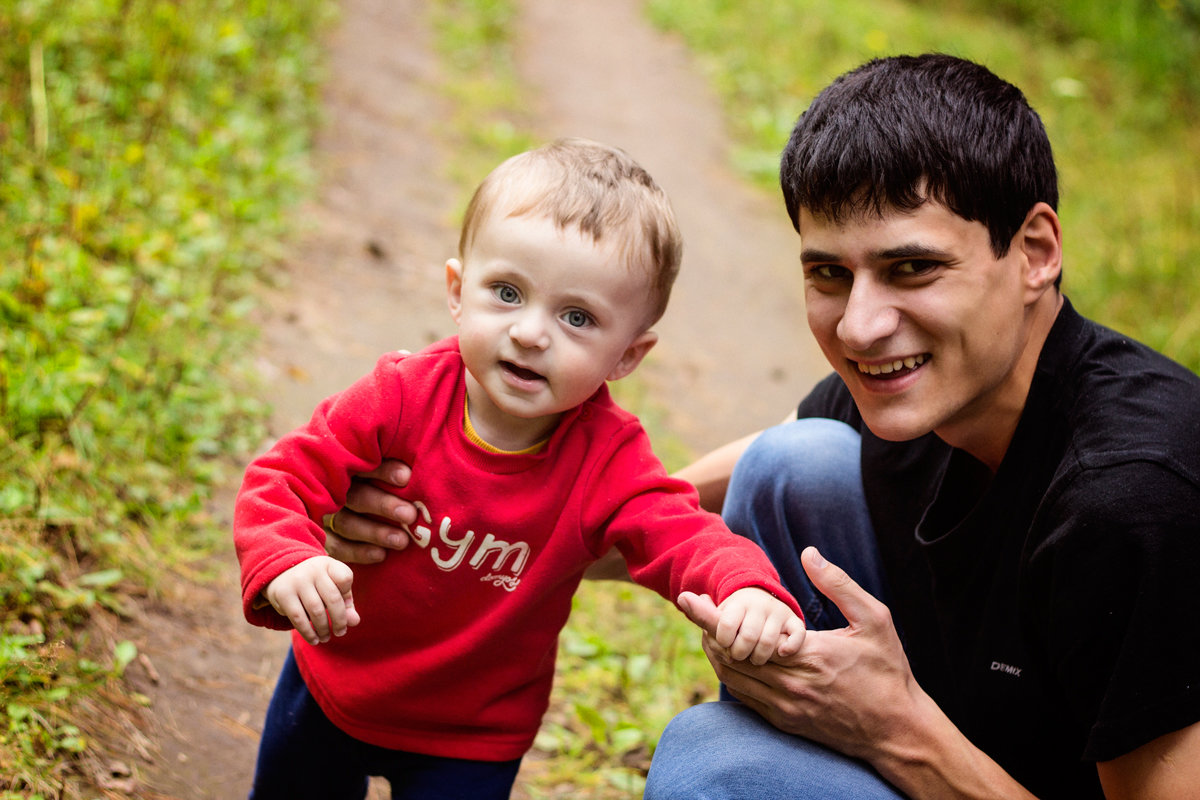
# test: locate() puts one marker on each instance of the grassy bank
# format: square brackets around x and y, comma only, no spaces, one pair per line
[150,153]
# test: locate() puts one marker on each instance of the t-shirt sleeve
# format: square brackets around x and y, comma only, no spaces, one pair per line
[1115,583]
[304,476]
[670,544]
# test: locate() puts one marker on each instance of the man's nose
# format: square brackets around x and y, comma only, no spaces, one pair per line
[870,315]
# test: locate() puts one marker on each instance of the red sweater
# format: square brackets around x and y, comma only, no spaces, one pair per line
[455,652]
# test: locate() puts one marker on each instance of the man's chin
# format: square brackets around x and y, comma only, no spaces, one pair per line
[894,426]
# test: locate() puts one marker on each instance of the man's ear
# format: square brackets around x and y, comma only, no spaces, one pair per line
[633,355]
[454,272]
[1040,240]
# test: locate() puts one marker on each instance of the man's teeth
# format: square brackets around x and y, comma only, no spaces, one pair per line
[895,366]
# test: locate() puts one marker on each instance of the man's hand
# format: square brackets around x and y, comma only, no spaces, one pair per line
[373,521]
[848,688]
[852,690]
[315,597]
[749,624]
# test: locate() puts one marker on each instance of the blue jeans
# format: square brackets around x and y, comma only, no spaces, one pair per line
[798,484]
[304,756]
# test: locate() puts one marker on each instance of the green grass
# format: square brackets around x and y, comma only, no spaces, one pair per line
[150,153]
[1114,82]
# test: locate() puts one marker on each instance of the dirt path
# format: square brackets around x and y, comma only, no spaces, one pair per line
[366,277]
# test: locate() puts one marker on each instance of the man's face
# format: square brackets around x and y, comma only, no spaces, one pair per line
[921,320]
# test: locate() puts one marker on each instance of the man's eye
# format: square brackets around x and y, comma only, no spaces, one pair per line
[577,319]
[506,293]
[913,267]
[828,272]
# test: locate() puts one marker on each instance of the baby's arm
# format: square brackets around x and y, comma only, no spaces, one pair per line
[315,597]
[751,623]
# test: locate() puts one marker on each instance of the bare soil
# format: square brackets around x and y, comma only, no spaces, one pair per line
[366,276]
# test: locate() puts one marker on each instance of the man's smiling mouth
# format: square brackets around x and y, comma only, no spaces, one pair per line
[900,365]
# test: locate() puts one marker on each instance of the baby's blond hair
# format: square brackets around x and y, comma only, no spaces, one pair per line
[591,187]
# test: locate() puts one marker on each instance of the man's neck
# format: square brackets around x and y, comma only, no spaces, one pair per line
[988,434]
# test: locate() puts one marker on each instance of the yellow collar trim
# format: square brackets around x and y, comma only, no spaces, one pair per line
[476,440]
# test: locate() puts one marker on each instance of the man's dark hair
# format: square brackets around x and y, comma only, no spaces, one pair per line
[898,131]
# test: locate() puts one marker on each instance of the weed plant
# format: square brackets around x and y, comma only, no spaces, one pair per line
[150,152]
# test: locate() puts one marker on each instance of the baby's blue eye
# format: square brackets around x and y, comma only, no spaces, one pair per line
[577,319]
[506,293]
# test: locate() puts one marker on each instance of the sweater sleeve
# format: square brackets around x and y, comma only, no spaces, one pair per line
[287,491]
[670,544]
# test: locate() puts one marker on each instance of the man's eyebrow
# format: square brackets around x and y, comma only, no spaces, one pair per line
[809,255]
[912,250]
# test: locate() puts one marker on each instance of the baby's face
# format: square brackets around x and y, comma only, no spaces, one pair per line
[545,316]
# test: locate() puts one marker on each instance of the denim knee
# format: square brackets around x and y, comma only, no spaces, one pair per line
[725,751]
[817,457]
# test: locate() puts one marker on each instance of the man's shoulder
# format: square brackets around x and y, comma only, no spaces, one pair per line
[1121,401]
[831,399]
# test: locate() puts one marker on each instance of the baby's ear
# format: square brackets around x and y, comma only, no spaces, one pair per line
[633,355]
[454,271]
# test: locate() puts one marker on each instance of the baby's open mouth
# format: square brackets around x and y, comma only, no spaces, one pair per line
[521,372]
[893,368]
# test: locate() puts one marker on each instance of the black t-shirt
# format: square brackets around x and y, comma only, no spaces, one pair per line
[1050,609]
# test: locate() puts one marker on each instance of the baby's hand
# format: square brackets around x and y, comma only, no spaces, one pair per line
[755,625]
[315,597]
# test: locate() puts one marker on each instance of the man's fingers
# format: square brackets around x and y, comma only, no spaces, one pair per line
[367,498]
[856,604]
[390,471]
[700,609]
[352,552]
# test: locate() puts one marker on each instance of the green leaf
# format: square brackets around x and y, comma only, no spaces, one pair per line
[102,579]
[123,654]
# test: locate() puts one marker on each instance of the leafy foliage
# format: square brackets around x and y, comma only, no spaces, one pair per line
[486,125]
[1114,82]
[149,151]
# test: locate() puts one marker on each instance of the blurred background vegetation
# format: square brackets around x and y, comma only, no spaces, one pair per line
[150,154]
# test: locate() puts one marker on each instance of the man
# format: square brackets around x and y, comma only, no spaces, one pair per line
[1010,492]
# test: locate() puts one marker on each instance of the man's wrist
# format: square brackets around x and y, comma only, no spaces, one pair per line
[933,760]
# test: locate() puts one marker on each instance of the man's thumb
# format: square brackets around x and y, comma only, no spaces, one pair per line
[700,609]
[833,582]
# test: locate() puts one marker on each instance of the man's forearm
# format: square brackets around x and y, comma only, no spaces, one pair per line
[710,473]
[934,760]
